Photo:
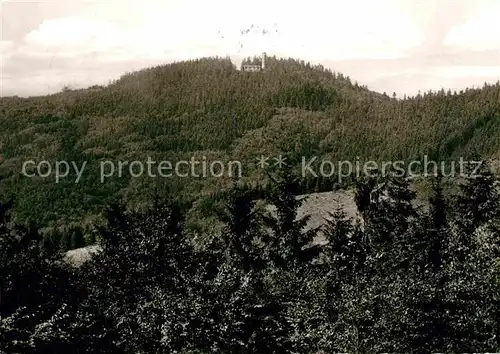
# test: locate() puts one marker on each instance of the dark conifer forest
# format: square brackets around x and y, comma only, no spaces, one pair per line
[201,265]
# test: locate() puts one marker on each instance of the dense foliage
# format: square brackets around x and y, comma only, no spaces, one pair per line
[399,279]
[208,108]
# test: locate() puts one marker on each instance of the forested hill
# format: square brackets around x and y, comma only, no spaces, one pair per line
[209,108]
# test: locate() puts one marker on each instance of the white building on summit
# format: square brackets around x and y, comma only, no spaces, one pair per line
[255,67]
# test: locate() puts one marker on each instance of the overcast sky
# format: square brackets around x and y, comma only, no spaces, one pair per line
[388,45]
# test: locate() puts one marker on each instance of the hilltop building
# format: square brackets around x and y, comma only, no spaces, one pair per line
[255,67]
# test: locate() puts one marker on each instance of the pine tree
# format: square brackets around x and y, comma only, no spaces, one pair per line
[142,279]
[346,248]
[479,201]
[435,241]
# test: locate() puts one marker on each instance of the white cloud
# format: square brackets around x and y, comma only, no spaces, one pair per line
[6,48]
[73,36]
[469,71]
